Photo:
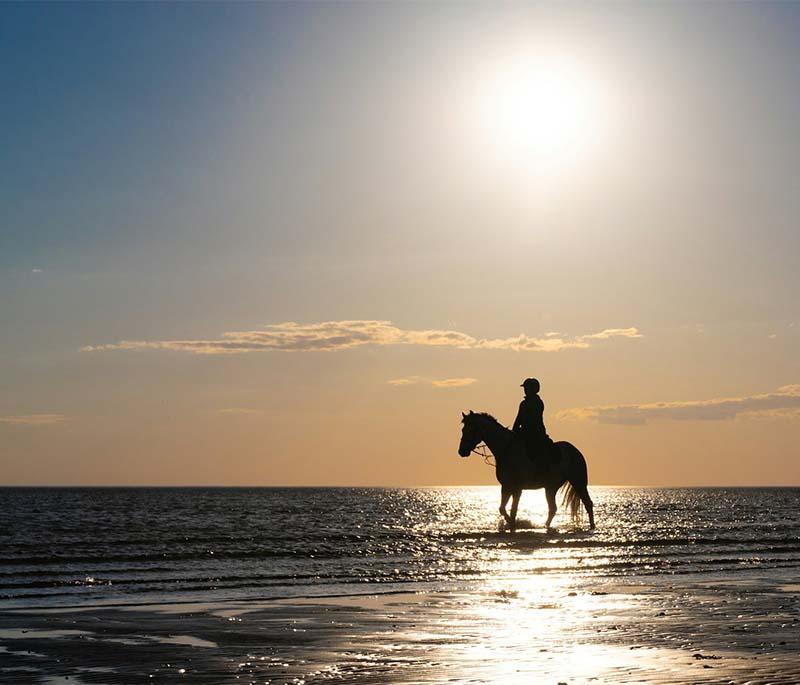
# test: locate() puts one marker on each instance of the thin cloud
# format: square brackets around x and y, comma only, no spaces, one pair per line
[331,336]
[788,413]
[435,382]
[453,382]
[783,403]
[34,419]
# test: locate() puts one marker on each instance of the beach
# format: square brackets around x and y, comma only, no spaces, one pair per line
[687,632]
[401,596]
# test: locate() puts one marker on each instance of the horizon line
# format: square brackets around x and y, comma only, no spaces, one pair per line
[374,487]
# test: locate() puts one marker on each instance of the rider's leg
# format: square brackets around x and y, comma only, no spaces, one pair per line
[531,447]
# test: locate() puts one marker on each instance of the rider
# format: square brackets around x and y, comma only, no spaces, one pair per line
[529,424]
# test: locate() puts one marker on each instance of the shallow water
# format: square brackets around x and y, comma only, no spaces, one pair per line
[72,546]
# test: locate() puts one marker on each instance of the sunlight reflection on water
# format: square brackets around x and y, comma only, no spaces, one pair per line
[168,544]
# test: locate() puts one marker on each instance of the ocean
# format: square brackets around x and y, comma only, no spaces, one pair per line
[102,546]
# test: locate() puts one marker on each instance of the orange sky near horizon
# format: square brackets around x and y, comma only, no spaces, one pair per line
[288,245]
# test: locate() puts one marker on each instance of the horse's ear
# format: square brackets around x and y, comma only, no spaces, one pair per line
[463,415]
[471,412]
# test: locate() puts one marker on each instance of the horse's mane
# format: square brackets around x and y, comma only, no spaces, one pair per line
[485,415]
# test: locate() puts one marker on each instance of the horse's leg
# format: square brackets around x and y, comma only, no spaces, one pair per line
[550,494]
[514,505]
[583,493]
[505,494]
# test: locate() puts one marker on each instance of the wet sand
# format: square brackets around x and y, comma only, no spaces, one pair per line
[527,630]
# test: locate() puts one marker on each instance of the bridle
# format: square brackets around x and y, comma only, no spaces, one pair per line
[482,451]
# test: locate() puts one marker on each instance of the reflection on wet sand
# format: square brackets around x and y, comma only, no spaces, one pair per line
[518,630]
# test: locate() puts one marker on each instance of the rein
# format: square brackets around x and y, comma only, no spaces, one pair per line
[481,450]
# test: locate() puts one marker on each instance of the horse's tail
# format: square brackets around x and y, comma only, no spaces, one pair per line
[572,500]
[577,476]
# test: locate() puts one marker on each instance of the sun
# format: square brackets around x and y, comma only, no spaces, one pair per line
[544,111]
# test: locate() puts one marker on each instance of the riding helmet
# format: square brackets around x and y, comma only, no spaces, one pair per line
[531,383]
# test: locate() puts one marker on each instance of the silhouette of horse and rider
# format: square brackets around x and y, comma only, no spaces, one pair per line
[527,459]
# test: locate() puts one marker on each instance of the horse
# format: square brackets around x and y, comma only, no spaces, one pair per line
[516,471]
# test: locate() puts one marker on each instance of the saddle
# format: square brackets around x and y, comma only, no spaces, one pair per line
[541,449]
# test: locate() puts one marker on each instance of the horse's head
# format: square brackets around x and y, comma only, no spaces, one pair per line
[471,433]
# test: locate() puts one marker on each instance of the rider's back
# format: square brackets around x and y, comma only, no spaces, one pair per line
[530,417]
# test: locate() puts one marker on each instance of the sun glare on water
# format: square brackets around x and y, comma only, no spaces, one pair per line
[547,112]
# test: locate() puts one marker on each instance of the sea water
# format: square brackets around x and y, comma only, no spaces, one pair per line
[80,546]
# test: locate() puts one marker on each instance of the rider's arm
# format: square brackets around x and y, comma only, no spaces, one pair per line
[518,421]
[539,409]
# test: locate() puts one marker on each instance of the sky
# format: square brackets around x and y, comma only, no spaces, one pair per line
[288,244]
